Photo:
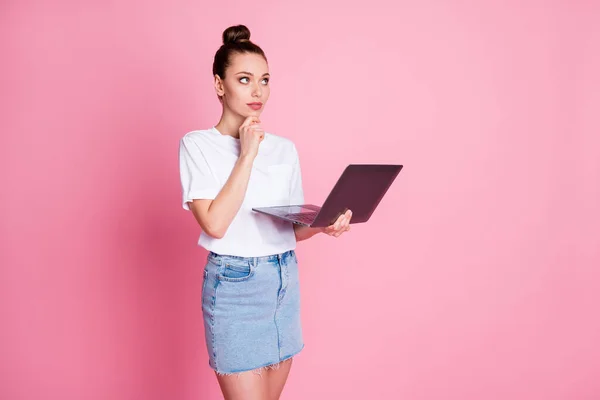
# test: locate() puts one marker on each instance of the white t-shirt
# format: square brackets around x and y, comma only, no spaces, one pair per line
[206,159]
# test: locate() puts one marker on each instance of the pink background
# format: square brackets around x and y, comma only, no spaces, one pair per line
[477,278]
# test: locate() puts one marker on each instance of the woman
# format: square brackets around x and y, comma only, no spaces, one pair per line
[250,295]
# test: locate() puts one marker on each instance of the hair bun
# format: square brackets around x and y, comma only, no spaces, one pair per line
[236,34]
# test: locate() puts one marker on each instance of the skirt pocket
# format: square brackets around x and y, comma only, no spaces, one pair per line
[235,271]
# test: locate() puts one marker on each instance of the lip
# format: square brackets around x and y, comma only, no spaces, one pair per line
[255,106]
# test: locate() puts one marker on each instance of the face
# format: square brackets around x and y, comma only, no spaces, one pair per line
[246,82]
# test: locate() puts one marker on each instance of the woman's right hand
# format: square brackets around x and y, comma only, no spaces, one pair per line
[251,134]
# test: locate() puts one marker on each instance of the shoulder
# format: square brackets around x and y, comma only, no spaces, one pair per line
[196,136]
[198,140]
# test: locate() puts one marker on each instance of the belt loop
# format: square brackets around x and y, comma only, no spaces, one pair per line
[279,258]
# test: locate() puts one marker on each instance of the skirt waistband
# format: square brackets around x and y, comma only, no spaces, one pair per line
[272,257]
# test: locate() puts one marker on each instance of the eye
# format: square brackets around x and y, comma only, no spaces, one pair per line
[265,80]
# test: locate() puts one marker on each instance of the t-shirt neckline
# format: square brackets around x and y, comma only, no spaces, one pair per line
[216,131]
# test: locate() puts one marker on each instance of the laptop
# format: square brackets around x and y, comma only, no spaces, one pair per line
[360,188]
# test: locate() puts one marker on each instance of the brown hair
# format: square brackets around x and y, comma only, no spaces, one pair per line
[236,39]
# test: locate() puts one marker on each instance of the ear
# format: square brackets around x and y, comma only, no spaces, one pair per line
[219,88]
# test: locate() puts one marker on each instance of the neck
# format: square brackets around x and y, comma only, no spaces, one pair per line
[230,123]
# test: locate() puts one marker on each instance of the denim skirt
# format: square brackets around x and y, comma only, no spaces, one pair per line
[251,311]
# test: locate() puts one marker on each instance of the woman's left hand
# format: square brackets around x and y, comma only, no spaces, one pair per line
[340,226]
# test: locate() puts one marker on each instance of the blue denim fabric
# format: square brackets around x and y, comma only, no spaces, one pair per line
[251,310]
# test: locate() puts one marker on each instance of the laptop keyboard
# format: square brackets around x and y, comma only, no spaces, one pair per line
[306,218]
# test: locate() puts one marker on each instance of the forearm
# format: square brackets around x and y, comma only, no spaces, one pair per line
[226,205]
[305,232]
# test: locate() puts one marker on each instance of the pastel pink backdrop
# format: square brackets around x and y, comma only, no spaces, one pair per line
[477,278]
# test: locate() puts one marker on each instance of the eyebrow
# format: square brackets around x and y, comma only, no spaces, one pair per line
[248,73]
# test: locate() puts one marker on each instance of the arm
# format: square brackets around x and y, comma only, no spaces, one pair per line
[215,216]
[305,232]
[215,209]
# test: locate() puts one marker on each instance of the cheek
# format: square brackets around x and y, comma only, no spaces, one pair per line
[235,96]
[232,91]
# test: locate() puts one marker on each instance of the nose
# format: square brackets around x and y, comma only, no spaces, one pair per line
[257,91]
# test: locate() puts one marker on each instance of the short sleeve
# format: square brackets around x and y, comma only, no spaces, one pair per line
[197,180]
[296,191]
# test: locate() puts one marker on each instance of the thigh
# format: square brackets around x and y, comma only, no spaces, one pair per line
[248,385]
[276,378]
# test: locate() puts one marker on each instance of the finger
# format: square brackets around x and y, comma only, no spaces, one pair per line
[246,122]
[257,133]
[349,218]
[344,224]
[250,120]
